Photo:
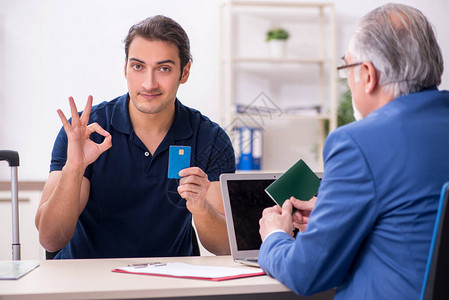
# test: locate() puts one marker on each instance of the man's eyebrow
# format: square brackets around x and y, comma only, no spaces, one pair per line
[138,60]
[167,61]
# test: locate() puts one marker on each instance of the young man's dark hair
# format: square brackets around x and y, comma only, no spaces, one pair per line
[161,28]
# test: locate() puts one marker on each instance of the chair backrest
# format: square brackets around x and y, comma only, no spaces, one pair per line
[436,279]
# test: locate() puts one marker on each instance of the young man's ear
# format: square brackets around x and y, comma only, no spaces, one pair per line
[185,72]
[126,64]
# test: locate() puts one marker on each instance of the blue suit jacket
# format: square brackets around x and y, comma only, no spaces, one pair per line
[369,233]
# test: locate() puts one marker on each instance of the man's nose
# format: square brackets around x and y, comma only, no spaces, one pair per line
[149,81]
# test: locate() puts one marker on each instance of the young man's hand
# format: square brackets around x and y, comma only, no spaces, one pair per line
[193,187]
[81,150]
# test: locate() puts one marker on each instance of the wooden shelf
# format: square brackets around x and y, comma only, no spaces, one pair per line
[307,73]
[277,3]
[282,116]
[279,60]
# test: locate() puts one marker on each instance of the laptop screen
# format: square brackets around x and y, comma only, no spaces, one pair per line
[248,199]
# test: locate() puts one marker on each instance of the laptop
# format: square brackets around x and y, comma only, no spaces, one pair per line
[244,199]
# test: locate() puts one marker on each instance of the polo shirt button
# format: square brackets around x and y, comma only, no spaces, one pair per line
[147,153]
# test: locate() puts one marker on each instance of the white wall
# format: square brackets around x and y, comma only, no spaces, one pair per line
[52,49]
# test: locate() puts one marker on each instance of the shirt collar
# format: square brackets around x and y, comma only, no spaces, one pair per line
[182,126]
[180,129]
[120,116]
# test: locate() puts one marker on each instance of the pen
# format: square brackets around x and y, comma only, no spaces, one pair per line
[155,264]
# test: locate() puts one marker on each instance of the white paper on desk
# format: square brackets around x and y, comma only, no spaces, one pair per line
[183,270]
[16,269]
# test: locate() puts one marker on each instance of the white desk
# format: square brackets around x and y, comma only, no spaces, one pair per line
[93,279]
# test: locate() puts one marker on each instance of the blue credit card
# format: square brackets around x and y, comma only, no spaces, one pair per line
[179,158]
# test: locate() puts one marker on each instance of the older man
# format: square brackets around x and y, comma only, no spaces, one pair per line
[370,230]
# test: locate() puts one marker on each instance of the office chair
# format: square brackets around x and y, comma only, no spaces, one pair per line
[195,244]
[51,255]
[436,278]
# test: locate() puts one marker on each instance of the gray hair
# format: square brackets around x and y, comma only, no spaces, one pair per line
[400,43]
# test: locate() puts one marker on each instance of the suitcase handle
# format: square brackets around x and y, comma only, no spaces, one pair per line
[12,157]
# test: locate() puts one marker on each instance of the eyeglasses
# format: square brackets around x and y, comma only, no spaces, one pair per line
[343,70]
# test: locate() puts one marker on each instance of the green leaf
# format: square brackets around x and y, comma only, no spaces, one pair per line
[277,34]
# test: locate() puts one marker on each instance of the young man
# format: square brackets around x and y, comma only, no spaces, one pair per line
[108,194]
[369,233]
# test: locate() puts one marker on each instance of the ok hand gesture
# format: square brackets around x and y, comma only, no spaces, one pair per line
[81,150]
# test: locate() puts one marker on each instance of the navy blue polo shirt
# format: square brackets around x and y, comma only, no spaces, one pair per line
[134,210]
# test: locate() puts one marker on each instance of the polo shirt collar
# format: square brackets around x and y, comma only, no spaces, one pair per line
[180,129]
[182,126]
[120,115]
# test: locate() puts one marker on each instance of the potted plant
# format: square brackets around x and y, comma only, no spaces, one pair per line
[277,39]
[345,113]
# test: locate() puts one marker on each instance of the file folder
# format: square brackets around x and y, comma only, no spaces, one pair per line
[182,270]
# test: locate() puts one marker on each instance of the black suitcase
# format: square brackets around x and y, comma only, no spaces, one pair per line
[12,157]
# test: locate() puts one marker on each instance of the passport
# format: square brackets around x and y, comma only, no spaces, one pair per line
[299,181]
